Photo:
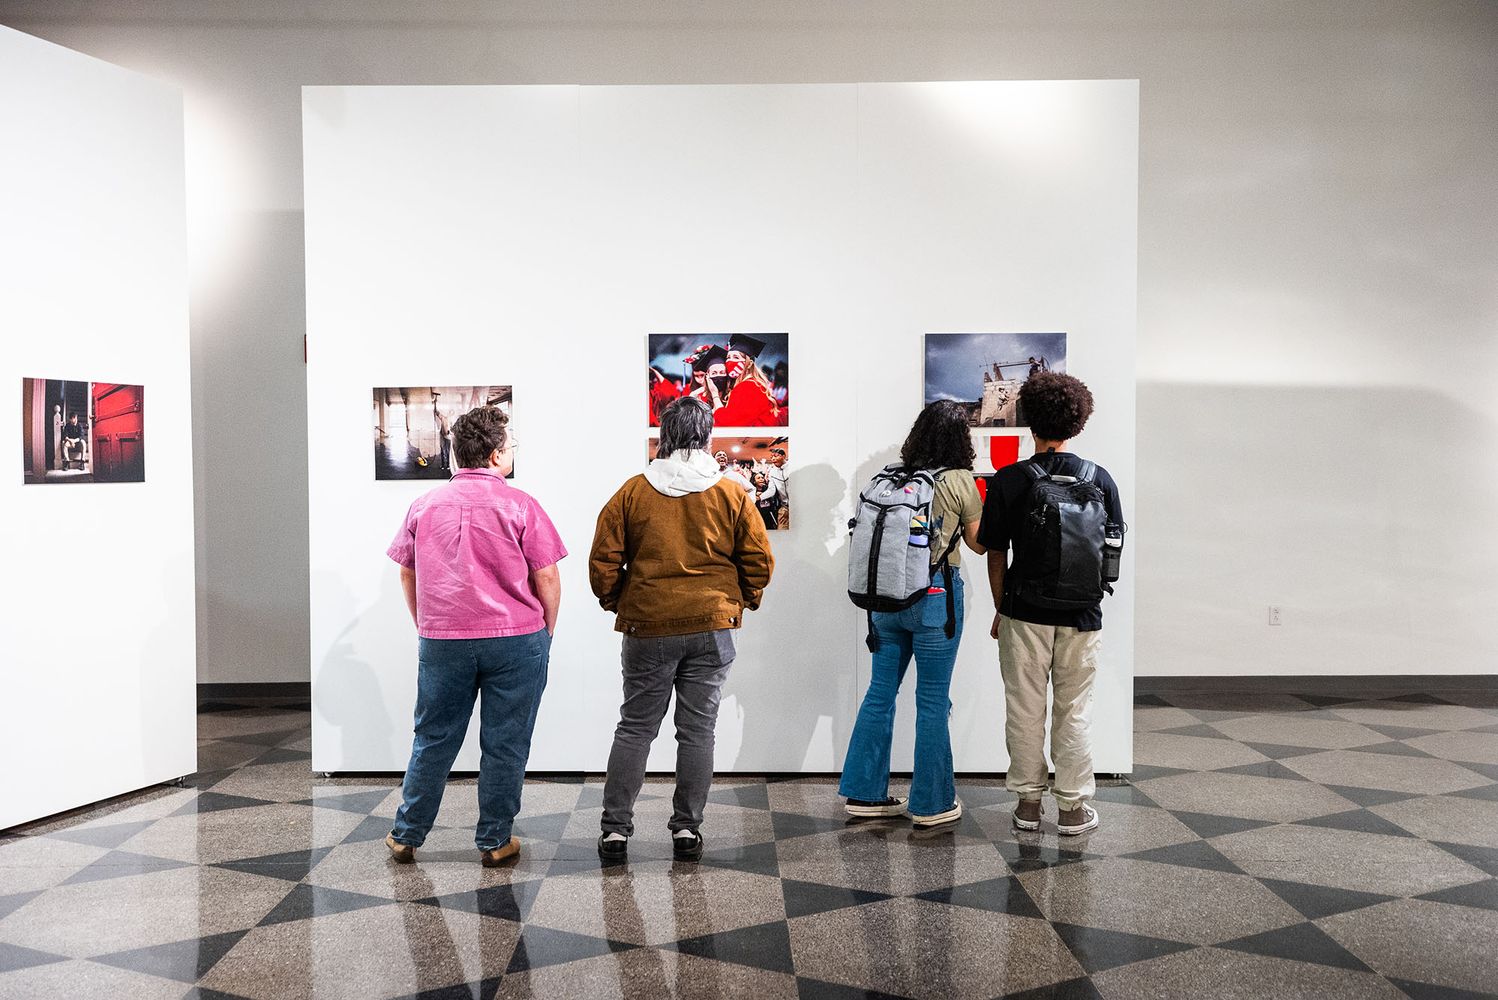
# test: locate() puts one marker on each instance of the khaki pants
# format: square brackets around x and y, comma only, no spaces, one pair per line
[1029,655]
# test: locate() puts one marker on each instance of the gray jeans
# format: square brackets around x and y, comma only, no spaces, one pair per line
[695,665]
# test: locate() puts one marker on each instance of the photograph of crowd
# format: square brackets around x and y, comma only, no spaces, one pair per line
[413,427]
[744,377]
[983,371]
[758,465]
[82,432]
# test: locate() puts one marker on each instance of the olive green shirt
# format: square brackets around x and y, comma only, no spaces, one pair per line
[956,503]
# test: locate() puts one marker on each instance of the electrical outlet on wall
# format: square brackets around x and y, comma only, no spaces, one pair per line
[1274,614]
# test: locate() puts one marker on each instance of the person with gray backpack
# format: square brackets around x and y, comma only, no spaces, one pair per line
[1061,516]
[903,570]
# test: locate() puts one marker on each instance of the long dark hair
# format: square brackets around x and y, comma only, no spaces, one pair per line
[939,439]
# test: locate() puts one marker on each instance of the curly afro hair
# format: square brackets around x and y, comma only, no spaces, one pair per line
[1056,406]
[939,439]
[477,433]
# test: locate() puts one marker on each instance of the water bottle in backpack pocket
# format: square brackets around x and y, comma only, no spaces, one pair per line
[1112,552]
[920,531]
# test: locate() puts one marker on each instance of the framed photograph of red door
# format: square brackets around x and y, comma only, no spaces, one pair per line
[82,432]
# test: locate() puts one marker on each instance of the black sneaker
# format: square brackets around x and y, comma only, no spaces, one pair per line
[686,848]
[612,850]
[864,809]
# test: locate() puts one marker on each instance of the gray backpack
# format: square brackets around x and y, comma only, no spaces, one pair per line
[889,545]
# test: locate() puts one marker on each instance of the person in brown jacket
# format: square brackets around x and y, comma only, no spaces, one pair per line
[679,555]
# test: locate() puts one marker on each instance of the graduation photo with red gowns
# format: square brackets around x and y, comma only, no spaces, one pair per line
[744,377]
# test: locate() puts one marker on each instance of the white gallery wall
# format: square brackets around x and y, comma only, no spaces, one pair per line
[1318,239]
[98,667]
[533,236]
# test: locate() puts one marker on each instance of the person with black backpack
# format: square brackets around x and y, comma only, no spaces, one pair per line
[904,571]
[1062,517]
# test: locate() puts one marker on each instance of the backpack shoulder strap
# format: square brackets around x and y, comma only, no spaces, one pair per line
[946,553]
[1088,473]
[1035,471]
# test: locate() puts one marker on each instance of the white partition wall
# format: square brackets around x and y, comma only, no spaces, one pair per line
[98,668]
[534,236]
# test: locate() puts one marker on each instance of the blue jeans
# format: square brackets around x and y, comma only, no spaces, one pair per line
[511,673]
[917,631]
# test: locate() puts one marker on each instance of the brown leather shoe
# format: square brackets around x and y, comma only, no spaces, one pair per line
[500,855]
[401,853]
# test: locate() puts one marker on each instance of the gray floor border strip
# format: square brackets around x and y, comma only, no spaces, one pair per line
[1328,684]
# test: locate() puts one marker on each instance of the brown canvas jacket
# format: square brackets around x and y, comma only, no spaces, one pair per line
[674,565]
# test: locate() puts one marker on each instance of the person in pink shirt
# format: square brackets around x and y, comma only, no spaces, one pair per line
[478,562]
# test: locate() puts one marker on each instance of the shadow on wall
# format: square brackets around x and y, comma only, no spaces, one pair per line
[1365,513]
[347,693]
[795,704]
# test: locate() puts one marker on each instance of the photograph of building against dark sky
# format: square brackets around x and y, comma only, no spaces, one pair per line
[983,371]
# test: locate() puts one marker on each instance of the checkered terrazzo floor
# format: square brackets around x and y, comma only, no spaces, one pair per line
[1269,845]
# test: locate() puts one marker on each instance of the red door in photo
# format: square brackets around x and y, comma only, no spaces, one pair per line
[119,433]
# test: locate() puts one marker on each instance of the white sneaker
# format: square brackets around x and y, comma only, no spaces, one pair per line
[952,815]
[1090,823]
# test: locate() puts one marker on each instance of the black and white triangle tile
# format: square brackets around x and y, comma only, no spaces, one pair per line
[1328,844]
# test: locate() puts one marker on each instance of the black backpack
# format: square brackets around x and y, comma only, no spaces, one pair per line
[1058,544]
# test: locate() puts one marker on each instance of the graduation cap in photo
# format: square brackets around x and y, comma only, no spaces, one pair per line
[746,344]
[704,360]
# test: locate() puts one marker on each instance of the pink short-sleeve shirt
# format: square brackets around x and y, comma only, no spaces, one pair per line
[474,543]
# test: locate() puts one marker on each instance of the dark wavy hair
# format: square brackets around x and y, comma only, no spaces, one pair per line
[1056,406]
[939,439]
[477,433]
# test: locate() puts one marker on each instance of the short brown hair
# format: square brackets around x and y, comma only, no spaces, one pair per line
[477,433]
[1056,406]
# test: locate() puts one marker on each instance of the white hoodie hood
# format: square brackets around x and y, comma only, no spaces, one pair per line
[683,473]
